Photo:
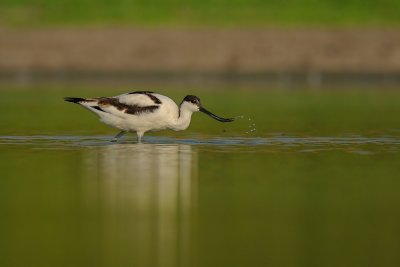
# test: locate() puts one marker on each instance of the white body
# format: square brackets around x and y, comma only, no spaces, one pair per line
[167,116]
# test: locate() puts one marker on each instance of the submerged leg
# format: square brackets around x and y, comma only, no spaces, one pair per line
[139,136]
[119,135]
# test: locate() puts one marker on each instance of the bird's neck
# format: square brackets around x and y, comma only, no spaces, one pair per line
[183,120]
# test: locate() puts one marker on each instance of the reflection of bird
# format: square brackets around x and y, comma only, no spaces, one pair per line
[150,181]
[143,111]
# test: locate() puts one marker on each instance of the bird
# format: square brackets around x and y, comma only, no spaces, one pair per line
[144,111]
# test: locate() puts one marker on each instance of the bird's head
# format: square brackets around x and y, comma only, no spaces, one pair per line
[192,103]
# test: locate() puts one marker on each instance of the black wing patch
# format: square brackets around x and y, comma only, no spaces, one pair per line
[128,109]
[149,94]
[98,108]
[141,92]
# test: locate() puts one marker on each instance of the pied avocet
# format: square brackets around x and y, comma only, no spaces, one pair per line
[144,111]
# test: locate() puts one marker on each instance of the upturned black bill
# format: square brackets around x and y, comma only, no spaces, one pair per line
[212,115]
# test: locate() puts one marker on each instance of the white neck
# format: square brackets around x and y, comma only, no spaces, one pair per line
[183,119]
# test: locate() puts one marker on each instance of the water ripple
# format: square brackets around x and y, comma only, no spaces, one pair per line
[354,144]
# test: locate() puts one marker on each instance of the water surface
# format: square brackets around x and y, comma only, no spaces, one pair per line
[310,187]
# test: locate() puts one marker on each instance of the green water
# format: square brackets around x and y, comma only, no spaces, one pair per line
[315,185]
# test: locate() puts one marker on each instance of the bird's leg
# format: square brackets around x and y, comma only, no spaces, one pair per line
[139,136]
[119,135]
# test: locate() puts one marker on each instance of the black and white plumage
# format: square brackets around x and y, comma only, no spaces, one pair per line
[144,111]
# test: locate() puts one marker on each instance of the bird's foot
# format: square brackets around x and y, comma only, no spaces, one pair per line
[118,136]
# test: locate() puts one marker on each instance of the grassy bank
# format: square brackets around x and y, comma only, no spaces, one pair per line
[196,12]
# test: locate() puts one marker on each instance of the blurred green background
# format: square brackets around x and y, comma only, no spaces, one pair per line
[200,13]
[289,42]
[315,184]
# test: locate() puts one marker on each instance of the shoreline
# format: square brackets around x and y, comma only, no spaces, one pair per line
[309,56]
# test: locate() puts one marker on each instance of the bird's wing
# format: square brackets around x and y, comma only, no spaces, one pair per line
[139,98]
[128,104]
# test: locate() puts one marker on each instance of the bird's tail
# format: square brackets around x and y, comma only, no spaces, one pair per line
[76,100]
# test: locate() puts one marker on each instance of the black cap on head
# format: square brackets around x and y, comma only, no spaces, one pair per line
[192,99]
